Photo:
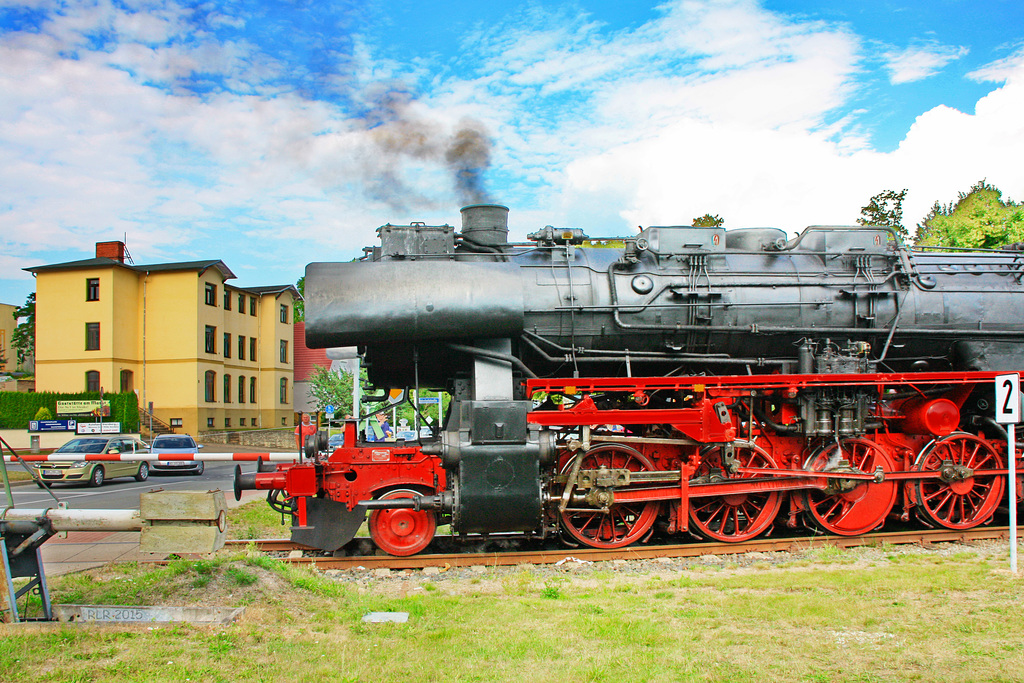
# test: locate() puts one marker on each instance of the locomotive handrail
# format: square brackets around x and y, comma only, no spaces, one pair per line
[794,242]
[585,384]
[675,327]
[602,356]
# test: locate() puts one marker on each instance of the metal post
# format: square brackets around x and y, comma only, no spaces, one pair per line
[1011,447]
[355,395]
[1008,412]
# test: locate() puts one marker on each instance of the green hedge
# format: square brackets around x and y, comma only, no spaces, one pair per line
[17,408]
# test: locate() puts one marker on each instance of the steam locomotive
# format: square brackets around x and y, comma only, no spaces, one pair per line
[681,380]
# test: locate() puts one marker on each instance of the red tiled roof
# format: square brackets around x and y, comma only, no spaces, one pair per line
[306,359]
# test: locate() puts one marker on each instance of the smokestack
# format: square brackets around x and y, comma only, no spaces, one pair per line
[485,224]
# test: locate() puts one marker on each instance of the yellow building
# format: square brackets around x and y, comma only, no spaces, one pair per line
[8,354]
[209,356]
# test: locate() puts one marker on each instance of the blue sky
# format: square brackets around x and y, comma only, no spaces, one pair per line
[271,134]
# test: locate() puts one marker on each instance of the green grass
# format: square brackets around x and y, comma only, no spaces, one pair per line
[911,619]
[255,520]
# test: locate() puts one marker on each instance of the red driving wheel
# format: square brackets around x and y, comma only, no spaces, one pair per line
[403,531]
[850,507]
[737,517]
[622,523]
[965,495]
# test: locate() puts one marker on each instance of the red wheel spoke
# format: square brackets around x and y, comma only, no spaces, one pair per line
[972,460]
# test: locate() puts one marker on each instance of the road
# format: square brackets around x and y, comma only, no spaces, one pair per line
[123,494]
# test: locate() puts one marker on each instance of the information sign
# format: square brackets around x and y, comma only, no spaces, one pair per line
[99,427]
[429,399]
[51,425]
[1008,399]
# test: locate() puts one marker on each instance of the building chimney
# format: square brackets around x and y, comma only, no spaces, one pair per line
[111,250]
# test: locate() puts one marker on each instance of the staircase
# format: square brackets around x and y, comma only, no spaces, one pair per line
[159,426]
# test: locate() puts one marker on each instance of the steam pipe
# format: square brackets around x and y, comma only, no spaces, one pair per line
[494,355]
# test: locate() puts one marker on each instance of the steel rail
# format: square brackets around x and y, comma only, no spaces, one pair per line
[512,558]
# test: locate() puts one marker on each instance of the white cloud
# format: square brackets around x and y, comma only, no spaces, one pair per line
[719,107]
[1001,69]
[920,61]
[791,178]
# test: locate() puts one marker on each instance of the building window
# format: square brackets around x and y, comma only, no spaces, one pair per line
[227,422]
[252,348]
[241,347]
[227,345]
[241,422]
[284,351]
[211,294]
[252,390]
[211,386]
[284,421]
[227,388]
[127,381]
[92,380]
[284,390]
[241,389]
[211,339]
[209,422]
[92,336]
[252,306]
[241,303]
[92,289]
[227,299]
[284,313]
[175,421]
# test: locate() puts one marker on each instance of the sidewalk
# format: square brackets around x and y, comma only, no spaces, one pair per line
[90,549]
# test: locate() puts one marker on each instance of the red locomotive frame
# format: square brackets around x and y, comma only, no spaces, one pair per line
[698,454]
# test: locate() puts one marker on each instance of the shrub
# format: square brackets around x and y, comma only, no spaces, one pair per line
[17,408]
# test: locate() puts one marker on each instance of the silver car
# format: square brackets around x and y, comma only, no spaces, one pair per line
[170,444]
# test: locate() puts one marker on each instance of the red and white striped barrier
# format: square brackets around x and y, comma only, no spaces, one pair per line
[152,457]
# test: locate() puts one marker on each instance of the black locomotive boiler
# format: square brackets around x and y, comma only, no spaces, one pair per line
[683,379]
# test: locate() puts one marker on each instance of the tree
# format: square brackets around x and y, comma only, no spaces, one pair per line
[979,219]
[886,208]
[330,388]
[299,307]
[708,221]
[24,337]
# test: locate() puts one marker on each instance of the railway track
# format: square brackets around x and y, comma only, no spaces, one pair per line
[512,558]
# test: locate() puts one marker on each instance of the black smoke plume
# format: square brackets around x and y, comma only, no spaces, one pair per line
[468,156]
[400,133]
